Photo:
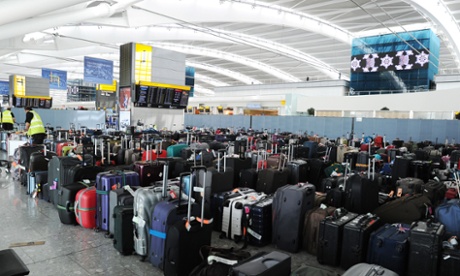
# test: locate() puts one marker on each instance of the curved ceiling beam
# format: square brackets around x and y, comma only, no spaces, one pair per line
[210,80]
[219,70]
[102,10]
[193,50]
[272,46]
[203,91]
[14,10]
[243,11]
[193,33]
[438,12]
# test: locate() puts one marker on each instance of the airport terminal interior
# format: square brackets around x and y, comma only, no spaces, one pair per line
[337,73]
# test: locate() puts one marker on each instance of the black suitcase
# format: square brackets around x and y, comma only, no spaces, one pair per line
[58,174]
[258,222]
[238,165]
[185,238]
[316,171]
[356,235]
[421,169]
[425,248]
[266,264]
[217,181]
[123,239]
[269,180]
[25,152]
[300,151]
[335,197]
[351,158]
[248,178]
[449,262]
[39,161]
[330,183]
[298,170]
[400,169]
[66,199]
[118,197]
[330,237]
[435,191]
[290,205]
[80,173]
[361,194]
[362,161]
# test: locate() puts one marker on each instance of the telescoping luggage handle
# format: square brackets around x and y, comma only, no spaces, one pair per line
[221,153]
[457,181]
[201,190]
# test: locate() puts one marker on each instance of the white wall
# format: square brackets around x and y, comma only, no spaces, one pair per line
[446,100]
[331,95]
[171,119]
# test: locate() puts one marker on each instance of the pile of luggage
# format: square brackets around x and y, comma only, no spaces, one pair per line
[347,202]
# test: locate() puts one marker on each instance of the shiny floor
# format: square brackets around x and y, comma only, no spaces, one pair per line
[73,250]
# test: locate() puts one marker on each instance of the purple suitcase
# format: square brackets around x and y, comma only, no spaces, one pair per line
[104,183]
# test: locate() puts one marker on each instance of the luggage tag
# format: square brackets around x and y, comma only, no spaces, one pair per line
[139,221]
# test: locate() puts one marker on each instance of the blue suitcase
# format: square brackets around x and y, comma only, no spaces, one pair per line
[164,215]
[105,182]
[389,247]
[449,215]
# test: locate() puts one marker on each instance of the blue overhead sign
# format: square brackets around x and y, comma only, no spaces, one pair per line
[57,78]
[98,70]
[4,88]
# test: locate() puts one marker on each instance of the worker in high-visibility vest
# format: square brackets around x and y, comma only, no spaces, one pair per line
[34,126]
[8,119]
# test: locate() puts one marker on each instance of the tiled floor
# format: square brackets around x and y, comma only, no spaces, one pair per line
[73,250]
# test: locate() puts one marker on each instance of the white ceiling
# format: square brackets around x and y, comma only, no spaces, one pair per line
[228,42]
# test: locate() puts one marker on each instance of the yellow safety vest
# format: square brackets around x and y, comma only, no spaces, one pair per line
[36,125]
[7,117]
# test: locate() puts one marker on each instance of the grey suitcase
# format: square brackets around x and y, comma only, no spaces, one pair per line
[145,199]
[365,269]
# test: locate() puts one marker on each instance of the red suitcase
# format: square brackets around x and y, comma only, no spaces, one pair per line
[153,154]
[85,207]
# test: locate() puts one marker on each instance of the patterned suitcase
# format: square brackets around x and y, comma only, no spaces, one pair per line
[105,182]
[85,207]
